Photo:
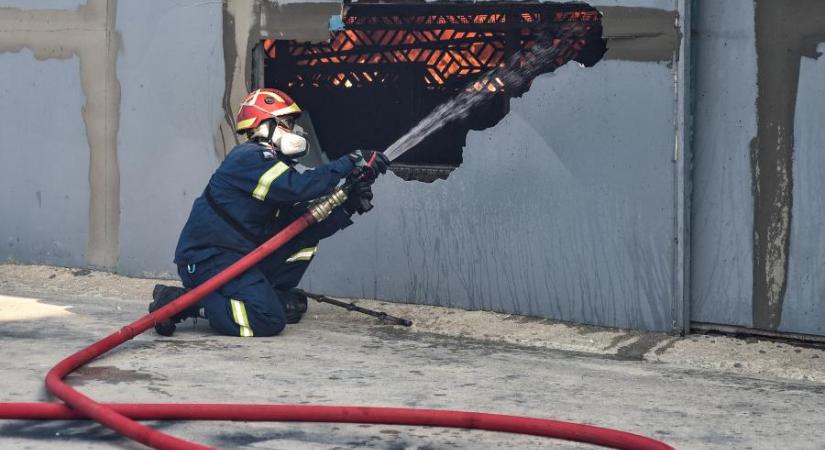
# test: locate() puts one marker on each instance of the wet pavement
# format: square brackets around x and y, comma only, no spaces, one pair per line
[339,358]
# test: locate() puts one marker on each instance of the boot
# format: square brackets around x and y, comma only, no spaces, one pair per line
[295,305]
[163,295]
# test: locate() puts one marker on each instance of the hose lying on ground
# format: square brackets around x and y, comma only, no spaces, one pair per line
[123,417]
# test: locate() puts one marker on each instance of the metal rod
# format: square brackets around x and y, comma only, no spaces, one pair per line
[351,306]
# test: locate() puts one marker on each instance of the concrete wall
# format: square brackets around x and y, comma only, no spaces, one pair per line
[803,309]
[542,218]
[44,161]
[563,223]
[757,205]
[170,113]
[561,210]
[81,187]
[569,208]
[725,125]
[59,90]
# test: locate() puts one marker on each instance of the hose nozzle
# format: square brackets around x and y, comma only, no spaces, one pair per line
[323,209]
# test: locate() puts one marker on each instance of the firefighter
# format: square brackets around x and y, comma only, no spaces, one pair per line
[256,191]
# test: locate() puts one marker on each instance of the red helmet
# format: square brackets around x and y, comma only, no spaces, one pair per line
[263,104]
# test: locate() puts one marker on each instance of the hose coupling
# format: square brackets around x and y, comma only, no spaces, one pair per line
[323,208]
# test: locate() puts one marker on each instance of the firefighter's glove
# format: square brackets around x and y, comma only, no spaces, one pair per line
[369,164]
[358,198]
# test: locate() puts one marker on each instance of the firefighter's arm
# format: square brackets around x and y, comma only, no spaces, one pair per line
[276,182]
[293,186]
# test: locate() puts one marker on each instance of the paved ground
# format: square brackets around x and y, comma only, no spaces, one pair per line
[700,392]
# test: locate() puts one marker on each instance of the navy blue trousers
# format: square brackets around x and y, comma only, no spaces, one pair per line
[246,306]
[249,305]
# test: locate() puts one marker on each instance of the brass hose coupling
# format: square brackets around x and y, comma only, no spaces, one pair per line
[323,208]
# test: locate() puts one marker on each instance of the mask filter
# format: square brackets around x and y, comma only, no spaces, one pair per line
[294,144]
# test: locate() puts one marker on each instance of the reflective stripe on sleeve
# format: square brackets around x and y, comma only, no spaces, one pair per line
[267,178]
[305,254]
[240,317]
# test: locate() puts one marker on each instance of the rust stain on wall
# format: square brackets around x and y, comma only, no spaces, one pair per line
[88,33]
[785,32]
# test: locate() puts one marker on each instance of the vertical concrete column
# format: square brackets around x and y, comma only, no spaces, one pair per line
[241,23]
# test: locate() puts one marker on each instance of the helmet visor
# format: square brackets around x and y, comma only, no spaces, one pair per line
[286,122]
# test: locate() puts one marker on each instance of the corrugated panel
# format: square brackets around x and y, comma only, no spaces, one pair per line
[562,210]
[725,124]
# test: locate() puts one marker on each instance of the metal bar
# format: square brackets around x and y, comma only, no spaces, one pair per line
[433,9]
[371,49]
[682,153]
[256,72]
[351,306]
[477,27]
[704,327]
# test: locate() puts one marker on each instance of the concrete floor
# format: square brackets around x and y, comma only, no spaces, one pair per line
[699,392]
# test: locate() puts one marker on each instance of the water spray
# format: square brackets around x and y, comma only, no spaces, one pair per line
[516,73]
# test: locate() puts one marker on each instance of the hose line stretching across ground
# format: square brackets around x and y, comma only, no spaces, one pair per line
[122,417]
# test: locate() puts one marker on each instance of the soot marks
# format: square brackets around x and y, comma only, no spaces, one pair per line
[66,431]
[107,374]
[392,65]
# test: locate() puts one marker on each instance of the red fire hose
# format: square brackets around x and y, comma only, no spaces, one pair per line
[347,414]
[122,417]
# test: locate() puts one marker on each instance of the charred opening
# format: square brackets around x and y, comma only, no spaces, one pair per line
[392,64]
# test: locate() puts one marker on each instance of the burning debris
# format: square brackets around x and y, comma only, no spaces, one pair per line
[392,65]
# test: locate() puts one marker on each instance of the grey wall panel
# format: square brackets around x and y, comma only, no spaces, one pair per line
[563,210]
[725,124]
[44,161]
[804,307]
[172,77]
[41,4]
[669,5]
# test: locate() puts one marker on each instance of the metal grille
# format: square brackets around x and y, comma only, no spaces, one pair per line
[445,43]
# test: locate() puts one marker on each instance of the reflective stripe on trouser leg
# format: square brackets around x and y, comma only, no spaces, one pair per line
[304,254]
[239,314]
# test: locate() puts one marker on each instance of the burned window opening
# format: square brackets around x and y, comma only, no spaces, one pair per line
[392,64]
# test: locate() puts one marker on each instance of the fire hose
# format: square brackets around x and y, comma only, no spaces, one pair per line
[122,417]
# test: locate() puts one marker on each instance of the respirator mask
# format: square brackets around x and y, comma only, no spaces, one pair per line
[292,144]
[290,138]
[284,135]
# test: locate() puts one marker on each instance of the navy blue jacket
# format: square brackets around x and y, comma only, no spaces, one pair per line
[263,192]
